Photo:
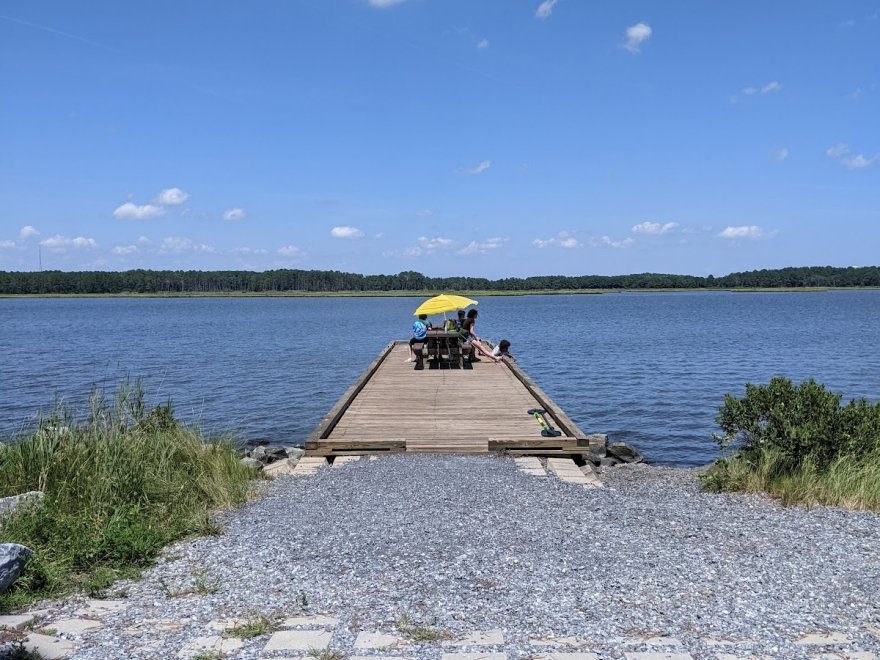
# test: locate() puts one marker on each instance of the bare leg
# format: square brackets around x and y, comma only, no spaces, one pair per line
[482,349]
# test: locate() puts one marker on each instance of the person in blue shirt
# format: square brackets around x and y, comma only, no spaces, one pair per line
[420,334]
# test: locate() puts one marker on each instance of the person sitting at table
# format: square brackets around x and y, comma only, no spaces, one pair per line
[503,350]
[468,330]
[420,334]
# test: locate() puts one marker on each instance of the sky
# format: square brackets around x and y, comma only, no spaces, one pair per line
[485,138]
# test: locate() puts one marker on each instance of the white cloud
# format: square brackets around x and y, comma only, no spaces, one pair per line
[437,243]
[545,8]
[479,169]
[59,243]
[563,240]
[384,4]
[346,232]
[234,214]
[171,197]
[781,153]
[837,151]
[773,86]
[844,155]
[124,249]
[177,244]
[27,232]
[607,241]
[129,211]
[143,240]
[484,43]
[859,161]
[7,244]
[247,250]
[636,35]
[425,213]
[482,248]
[745,231]
[654,228]
[290,251]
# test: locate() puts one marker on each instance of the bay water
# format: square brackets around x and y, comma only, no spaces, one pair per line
[650,369]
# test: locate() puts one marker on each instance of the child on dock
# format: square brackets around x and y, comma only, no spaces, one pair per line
[420,333]
[503,350]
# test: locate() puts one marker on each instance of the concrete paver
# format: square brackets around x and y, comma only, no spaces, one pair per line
[567,470]
[210,643]
[377,640]
[48,647]
[316,620]
[479,638]
[74,626]
[822,639]
[99,608]
[309,465]
[298,640]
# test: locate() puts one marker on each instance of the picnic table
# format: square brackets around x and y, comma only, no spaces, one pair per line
[443,348]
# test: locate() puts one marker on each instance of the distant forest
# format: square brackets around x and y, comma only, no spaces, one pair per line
[325,281]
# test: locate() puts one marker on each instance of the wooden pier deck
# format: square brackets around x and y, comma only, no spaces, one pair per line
[394,408]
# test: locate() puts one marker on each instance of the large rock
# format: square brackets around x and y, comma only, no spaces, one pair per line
[9,505]
[295,453]
[251,463]
[13,558]
[625,453]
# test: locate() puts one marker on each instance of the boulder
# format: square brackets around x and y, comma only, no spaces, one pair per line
[608,461]
[251,463]
[9,505]
[259,453]
[276,454]
[625,453]
[13,558]
[295,453]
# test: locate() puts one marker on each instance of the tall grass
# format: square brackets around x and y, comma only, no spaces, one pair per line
[119,485]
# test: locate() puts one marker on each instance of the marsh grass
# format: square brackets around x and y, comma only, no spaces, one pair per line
[849,482]
[119,485]
[797,443]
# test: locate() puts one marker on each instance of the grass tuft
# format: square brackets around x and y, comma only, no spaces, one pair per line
[419,633]
[119,486]
[254,626]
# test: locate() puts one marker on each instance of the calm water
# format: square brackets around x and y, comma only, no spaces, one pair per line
[646,368]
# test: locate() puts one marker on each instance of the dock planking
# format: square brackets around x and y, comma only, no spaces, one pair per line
[394,408]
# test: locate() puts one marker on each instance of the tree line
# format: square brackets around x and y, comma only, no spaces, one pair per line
[327,281]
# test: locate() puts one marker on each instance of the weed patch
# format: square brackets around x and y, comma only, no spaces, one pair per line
[119,486]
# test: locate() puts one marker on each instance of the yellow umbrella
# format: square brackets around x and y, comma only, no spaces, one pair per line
[443,303]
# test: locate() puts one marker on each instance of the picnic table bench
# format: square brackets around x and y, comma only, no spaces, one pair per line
[443,350]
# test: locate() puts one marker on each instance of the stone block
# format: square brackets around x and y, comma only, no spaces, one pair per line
[74,626]
[49,647]
[491,637]
[298,640]
[377,640]
[99,608]
[315,621]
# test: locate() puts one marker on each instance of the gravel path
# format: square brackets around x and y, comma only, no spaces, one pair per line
[471,543]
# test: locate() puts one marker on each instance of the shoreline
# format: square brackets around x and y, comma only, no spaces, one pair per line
[422,294]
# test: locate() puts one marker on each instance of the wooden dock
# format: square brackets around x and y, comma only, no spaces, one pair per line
[394,408]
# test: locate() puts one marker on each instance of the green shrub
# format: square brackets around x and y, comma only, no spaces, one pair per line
[118,487]
[798,443]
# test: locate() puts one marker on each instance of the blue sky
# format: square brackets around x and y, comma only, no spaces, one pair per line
[454,137]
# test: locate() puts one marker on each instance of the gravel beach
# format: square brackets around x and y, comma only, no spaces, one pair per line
[462,544]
